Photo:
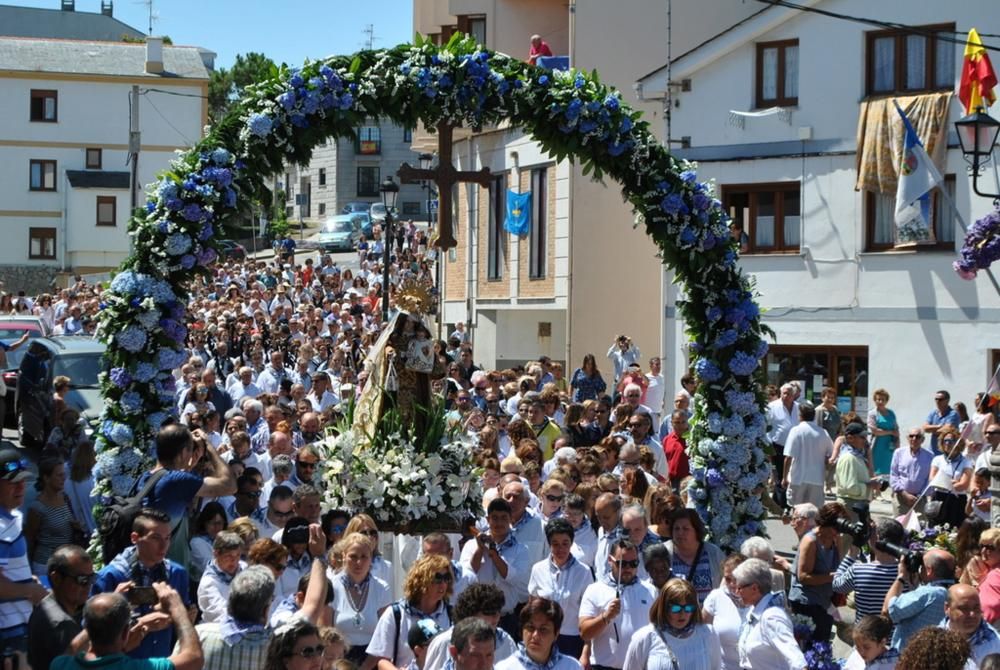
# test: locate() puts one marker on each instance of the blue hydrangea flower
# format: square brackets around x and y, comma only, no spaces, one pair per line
[221,157]
[131,339]
[543,80]
[741,402]
[131,402]
[175,330]
[155,420]
[673,204]
[120,377]
[125,283]
[177,243]
[287,100]
[743,364]
[714,313]
[119,434]
[732,426]
[611,102]
[260,125]
[144,372]
[188,261]
[167,188]
[725,339]
[206,232]
[193,212]
[714,478]
[707,370]
[689,176]
[761,349]
[170,359]
[688,237]
[149,319]
[206,256]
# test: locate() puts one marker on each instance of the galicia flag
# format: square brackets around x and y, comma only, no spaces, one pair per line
[518,219]
[917,177]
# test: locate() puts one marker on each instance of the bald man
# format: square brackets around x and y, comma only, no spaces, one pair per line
[923,605]
[964,615]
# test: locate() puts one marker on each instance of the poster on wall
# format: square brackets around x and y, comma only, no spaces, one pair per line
[844,404]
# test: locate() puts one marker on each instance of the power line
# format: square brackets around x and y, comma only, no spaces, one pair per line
[182,95]
[162,116]
[887,25]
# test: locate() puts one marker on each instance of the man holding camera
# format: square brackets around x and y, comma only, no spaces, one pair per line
[623,353]
[496,557]
[108,616]
[871,581]
[143,565]
[922,604]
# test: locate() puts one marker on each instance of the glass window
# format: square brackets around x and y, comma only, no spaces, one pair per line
[907,61]
[916,62]
[778,73]
[368,181]
[880,224]
[369,140]
[497,236]
[44,106]
[767,216]
[43,175]
[538,235]
[845,369]
[42,243]
[106,210]
[94,159]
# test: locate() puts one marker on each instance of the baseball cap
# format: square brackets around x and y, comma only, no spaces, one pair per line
[855,429]
[422,632]
[13,468]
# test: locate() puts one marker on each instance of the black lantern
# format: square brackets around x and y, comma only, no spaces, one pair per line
[977,134]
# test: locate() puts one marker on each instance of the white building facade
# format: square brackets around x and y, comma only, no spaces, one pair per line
[851,310]
[65,178]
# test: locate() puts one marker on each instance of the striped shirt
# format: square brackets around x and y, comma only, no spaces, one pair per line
[869,581]
[247,654]
[14,566]
[55,528]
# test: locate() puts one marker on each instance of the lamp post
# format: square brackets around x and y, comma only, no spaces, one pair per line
[389,190]
[977,133]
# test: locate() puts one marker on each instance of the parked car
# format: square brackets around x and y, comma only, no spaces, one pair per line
[79,358]
[340,232]
[356,206]
[233,251]
[378,211]
[11,330]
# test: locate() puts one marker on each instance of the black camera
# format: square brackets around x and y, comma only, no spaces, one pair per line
[913,560]
[883,484]
[859,529]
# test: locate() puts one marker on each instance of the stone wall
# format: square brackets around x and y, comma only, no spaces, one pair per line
[32,279]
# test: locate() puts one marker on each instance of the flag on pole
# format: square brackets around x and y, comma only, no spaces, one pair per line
[993,390]
[518,219]
[975,89]
[917,177]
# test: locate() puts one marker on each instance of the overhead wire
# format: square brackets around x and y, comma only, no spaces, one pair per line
[888,25]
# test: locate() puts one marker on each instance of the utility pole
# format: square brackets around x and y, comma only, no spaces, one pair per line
[369,31]
[134,144]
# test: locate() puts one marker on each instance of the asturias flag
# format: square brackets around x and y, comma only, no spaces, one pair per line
[975,89]
[917,177]
[518,219]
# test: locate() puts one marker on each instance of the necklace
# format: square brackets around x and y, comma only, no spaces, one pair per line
[357,596]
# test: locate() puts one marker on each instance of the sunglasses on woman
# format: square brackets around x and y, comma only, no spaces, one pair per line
[677,609]
[311,652]
[442,577]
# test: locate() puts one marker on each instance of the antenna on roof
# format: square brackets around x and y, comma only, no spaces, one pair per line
[369,32]
[153,14]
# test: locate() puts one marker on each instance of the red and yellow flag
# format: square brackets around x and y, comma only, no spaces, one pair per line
[978,79]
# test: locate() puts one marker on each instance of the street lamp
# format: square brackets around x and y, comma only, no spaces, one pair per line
[977,133]
[389,190]
[425,164]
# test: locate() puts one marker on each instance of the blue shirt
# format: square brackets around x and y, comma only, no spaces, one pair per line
[936,418]
[917,609]
[125,567]
[113,662]
[172,493]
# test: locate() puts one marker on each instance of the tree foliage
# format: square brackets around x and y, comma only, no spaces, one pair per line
[226,86]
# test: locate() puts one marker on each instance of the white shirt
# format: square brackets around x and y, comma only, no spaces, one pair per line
[387,638]
[654,392]
[515,586]
[810,447]
[585,543]
[651,649]
[213,595]
[346,618]
[322,404]
[767,640]
[606,649]
[437,652]
[563,585]
[781,420]
[727,619]
[514,663]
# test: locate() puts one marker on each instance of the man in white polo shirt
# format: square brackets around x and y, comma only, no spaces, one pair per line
[614,608]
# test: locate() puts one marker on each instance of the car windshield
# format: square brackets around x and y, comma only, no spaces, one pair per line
[9,335]
[337,227]
[82,369]
[378,209]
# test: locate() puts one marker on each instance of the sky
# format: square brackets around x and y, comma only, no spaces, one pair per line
[287,31]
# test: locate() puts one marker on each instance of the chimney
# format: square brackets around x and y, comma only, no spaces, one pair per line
[69,5]
[154,55]
[108,8]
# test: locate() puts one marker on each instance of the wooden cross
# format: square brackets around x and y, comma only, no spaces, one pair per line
[445,176]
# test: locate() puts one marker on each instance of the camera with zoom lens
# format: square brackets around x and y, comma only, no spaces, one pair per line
[859,529]
[913,560]
[883,484]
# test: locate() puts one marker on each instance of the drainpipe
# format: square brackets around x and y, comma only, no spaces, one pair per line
[471,285]
[65,222]
[570,185]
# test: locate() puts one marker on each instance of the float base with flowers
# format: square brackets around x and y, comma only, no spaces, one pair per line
[571,114]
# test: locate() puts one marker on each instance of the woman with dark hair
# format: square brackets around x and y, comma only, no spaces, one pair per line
[49,523]
[80,484]
[562,578]
[872,636]
[968,562]
[693,558]
[813,570]
[295,646]
[541,619]
[211,521]
[586,382]
[675,637]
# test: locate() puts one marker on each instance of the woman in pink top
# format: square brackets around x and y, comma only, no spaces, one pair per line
[989,587]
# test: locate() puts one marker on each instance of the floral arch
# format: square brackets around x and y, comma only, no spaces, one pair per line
[571,114]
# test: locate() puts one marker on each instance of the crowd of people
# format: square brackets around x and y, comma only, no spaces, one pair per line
[587,552]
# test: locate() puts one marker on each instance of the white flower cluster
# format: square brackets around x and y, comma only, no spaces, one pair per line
[396,483]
